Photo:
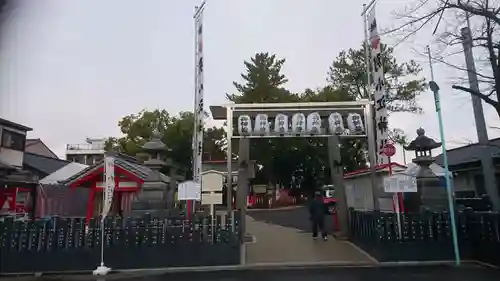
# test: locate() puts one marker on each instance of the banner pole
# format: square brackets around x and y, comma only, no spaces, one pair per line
[107,200]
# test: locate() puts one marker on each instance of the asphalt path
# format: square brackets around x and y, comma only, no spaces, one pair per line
[297,218]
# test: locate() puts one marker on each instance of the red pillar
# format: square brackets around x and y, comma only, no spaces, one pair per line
[335,215]
[90,204]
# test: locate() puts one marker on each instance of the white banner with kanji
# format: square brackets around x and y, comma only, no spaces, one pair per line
[109,185]
[199,99]
[379,88]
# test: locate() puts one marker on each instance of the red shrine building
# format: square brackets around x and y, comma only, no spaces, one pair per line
[140,188]
[129,178]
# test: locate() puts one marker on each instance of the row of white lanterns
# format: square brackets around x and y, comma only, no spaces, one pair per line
[301,124]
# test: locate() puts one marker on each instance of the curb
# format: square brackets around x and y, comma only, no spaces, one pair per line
[276,209]
[141,273]
[299,265]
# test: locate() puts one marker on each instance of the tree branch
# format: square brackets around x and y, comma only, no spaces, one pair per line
[477,94]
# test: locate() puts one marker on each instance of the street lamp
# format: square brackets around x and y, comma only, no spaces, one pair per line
[435,89]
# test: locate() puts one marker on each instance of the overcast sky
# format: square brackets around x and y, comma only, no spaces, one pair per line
[72,69]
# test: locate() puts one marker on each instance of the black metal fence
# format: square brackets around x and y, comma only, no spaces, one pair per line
[66,244]
[427,236]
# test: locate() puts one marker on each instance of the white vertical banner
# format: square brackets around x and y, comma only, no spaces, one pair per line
[379,87]
[109,185]
[199,97]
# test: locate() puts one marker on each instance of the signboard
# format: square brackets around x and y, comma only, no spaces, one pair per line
[400,183]
[211,198]
[189,190]
[389,150]
[212,181]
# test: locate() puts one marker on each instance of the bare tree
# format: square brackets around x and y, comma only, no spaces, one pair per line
[446,18]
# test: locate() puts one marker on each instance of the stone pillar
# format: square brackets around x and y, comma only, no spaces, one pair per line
[243,173]
[171,188]
[337,178]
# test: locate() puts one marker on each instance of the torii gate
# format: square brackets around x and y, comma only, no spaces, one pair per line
[332,120]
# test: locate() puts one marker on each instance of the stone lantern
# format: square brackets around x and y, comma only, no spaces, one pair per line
[431,195]
[157,192]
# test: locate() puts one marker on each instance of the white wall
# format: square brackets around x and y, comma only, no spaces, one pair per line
[360,196]
[9,156]
[359,193]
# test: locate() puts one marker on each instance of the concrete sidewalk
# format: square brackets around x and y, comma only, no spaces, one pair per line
[279,244]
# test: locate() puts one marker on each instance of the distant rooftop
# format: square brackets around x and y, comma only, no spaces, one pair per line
[91,146]
[7,123]
[468,154]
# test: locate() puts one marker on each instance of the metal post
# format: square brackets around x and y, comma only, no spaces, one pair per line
[485,154]
[370,128]
[435,88]
[229,189]
[397,207]
[372,155]
[367,56]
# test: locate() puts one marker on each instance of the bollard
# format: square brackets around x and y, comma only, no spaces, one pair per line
[335,217]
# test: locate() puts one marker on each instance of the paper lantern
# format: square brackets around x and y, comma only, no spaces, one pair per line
[355,124]
[244,125]
[298,123]
[336,124]
[261,126]
[314,123]
[281,124]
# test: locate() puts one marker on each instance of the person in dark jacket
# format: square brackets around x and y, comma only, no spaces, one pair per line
[317,211]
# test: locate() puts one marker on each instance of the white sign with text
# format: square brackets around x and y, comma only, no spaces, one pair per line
[189,190]
[400,183]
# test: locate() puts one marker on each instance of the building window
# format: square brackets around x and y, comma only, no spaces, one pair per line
[13,140]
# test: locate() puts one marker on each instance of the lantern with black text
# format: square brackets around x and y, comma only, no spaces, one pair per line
[355,124]
[281,124]
[261,125]
[244,125]
[298,123]
[336,124]
[314,123]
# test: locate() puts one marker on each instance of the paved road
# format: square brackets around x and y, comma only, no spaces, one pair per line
[436,273]
[281,244]
[347,274]
[295,218]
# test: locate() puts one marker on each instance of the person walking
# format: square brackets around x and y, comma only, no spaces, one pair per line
[317,211]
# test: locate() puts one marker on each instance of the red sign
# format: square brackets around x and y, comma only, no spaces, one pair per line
[389,150]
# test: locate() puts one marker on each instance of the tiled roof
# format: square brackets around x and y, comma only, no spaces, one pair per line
[128,163]
[65,172]
[31,141]
[44,164]
[468,154]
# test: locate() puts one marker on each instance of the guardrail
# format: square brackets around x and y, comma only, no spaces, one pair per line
[85,146]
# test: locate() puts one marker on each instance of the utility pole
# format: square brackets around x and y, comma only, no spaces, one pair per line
[487,165]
